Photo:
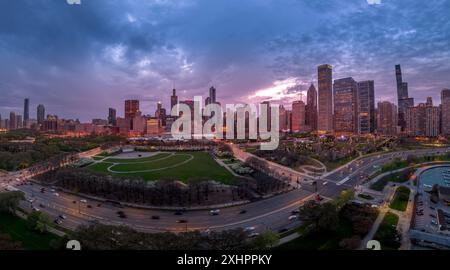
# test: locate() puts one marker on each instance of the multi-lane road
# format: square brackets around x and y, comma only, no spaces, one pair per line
[272,213]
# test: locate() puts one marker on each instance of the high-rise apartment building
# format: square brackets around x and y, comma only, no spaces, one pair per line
[131,108]
[311,108]
[325,115]
[387,119]
[298,116]
[12,121]
[112,117]
[366,107]
[345,105]
[212,95]
[423,120]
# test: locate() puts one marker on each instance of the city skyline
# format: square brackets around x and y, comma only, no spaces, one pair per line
[150,57]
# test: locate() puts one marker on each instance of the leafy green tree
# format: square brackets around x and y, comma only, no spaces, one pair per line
[39,221]
[344,197]
[266,240]
[9,201]
[324,217]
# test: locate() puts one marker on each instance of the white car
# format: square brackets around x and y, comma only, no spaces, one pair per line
[254,234]
[249,229]
[83,201]
[36,209]
[214,212]
[56,194]
[293,217]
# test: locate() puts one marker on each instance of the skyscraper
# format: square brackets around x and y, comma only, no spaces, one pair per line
[40,114]
[423,120]
[298,116]
[311,108]
[12,121]
[325,79]
[212,95]
[387,118]
[345,105]
[404,101]
[26,111]
[366,107]
[445,111]
[283,121]
[112,117]
[173,99]
[131,108]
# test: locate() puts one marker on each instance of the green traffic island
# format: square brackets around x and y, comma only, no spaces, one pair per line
[387,233]
[365,197]
[401,198]
[398,177]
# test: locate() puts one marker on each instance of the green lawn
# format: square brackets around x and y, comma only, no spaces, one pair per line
[201,167]
[401,197]
[387,232]
[18,230]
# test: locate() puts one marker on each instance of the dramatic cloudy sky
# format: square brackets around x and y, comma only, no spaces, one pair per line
[78,60]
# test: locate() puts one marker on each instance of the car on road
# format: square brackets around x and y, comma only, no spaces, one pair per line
[243,212]
[253,234]
[56,194]
[249,229]
[83,201]
[156,217]
[41,205]
[36,209]
[30,200]
[62,216]
[121,214]
[214,212]
[295,212]
[282,230]
[182,221]
[89,206]
[58,221]
[293,217]
[178,213]
[74,202]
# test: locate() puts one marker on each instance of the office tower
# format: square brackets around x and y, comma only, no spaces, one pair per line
[311,108]
[423,120]
[283,122]
[269,115]
[40,114]
[51,123]
[345,105]
[298,116]
[212,95]
[404,101]
[12,121]
[387,119]
[207,101]
[19,120]
[366,107]
[100,122]
[26,111]
[445,111]
[160,113]
[325,116]
[112,117]
[131,108]
[173,99]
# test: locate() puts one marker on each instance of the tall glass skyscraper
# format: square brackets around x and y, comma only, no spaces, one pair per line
[325,116]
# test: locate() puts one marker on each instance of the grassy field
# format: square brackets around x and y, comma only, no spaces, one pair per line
[387,232]
[18,230]
[184,166]
[401,197]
